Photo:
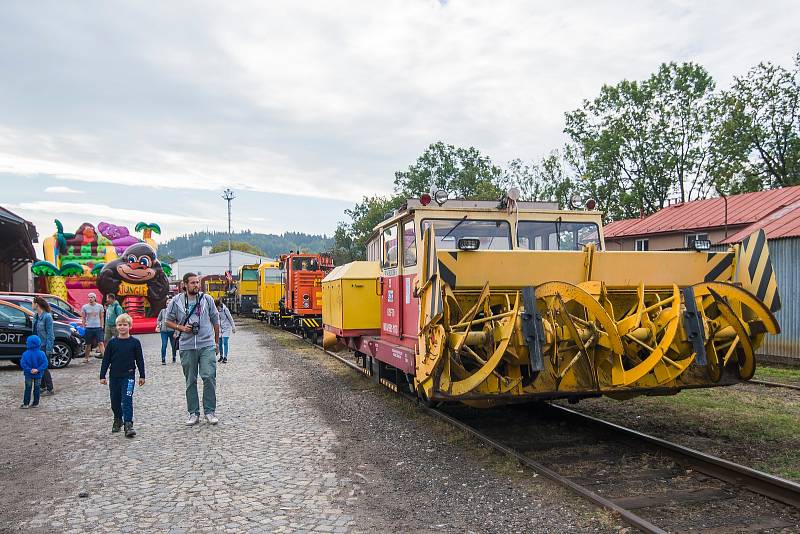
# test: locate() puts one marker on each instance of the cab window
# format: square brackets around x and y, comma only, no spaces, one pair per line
[13,315]
[556,235]
[389,241]
[271,275]
[409,245]
[493,235]
[249,275]
[374,250]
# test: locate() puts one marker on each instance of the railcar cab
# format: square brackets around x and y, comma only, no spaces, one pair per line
[302,275]
[463,225]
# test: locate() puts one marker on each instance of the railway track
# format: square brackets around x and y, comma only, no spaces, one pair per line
[774,384]
[653,485]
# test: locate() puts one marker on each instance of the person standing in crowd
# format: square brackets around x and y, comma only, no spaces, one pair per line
[167,334]
[226,327]
[43,327]
[195,316]
[33,364]
[113,310]
[92,315]
[123,355]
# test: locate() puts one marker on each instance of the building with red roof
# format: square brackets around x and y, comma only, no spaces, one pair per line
[720,220]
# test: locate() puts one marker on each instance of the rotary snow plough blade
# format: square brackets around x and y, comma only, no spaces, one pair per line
[517,336]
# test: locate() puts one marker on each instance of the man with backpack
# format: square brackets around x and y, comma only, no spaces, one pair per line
[113,310]
[195,316]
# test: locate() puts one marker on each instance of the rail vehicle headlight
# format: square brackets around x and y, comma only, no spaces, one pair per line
[469,243]
[575,201]
[441,196]
[306,301]
[425,199]
[513,194]
[702,244]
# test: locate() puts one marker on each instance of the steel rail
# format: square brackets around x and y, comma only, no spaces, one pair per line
[771,486]
[773,384]
[625,514]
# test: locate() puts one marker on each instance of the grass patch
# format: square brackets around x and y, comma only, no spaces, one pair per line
[755,426]
[778,374]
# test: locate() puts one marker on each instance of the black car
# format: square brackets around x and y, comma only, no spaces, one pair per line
[59,314]
[16,324]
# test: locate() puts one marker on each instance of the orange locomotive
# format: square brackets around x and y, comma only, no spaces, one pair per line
[301,303]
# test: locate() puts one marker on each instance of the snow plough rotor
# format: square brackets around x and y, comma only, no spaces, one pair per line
[494,334]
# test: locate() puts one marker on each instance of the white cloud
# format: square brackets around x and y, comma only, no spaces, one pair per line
[327,99]
[62,190]
[111,213]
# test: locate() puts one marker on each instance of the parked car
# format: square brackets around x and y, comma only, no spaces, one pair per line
[16,324]
[59,314]
[51,299]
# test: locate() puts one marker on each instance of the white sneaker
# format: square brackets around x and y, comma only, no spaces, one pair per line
[192,419]
[211,418]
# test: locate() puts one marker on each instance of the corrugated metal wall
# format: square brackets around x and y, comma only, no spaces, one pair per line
[785,256]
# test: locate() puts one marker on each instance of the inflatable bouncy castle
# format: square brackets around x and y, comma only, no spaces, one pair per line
[106,260]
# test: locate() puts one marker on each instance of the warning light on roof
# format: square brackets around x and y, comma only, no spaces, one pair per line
[425,199]
[591,204]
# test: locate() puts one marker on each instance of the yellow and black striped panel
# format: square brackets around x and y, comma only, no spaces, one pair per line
[310,323]
[755,272]
[719,266]
[431,297]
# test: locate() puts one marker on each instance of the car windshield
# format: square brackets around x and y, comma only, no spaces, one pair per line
[556,235]
[493,235]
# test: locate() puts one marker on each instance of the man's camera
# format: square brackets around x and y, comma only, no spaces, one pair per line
[195,328]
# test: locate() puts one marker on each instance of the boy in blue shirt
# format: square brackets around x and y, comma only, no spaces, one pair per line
[33,363]
[123,355]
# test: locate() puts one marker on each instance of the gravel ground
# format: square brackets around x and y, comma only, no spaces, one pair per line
[416,474]
[304,444]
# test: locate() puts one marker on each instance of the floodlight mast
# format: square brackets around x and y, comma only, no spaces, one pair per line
[228,195]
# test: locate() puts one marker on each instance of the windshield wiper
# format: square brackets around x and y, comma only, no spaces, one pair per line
[464,218]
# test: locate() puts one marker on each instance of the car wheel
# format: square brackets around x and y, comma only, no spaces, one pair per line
[62,355]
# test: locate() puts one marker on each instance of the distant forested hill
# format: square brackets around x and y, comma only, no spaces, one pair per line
[272,245]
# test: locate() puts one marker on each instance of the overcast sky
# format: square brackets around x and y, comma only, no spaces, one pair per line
[129,111]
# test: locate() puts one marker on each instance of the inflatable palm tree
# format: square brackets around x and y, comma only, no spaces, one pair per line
[56,278]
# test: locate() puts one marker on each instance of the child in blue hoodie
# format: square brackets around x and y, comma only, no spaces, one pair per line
[33,363]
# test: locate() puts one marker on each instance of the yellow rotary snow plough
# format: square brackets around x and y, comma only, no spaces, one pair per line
[557,316]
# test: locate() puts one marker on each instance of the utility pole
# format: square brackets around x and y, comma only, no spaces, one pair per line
[228,196]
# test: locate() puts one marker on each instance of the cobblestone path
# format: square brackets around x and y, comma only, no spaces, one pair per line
[267,466]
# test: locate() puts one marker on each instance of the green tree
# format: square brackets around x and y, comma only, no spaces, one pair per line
[638,143]
[222,246]
[463,172]
[350,239]
[757,141]
[552,178]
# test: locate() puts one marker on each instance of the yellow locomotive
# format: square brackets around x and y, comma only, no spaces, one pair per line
[270,291]
[489,303]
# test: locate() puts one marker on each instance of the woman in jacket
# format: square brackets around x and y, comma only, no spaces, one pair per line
[226,327]
[43,327]
[167,335]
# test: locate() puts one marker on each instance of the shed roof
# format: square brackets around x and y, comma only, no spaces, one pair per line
[16,238]
[768,208]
